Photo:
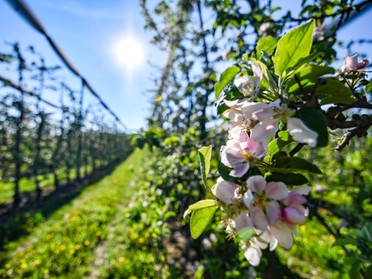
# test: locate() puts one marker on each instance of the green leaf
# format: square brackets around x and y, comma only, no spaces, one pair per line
[368,86]
[199,274]
[205,155]
[344,241]
[200,219]
[224,171]
[245,234]
[313,72]
[294,164]
[315,120]
[332,87]
[284,136]
[172,141]
[354,271]
[368,271]
[169,214]
[266,44]
[287,178]
[337,100]
[227,76]
[199,205]
[231,93]
[311,57]
[275,146]
[293,46]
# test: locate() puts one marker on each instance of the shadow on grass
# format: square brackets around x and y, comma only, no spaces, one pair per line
[19,222]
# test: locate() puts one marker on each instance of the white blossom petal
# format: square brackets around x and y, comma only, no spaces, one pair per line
[282,233]
[237,104]
[262,131]
[234,133]
[259,242]
[258,149]
[253,255]
[267,237]
[256,183]
[302,190]
[276,190]
[248,198]
[273,211]
[300,132]
[239,170]
[351,62]
[225,191]
[258,74]
[253,110]
[245,84]
[243,221]
[259,219]
[231,154]
[235,116]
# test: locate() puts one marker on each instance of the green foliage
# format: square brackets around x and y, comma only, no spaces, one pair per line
[294,164]
[46,144]
[333,87]
[199,205]
[200,219]
[275,146]
[287,178]
[151,137]
[226,77]
[266,44]
[292,48]
[307,78]
[205,155]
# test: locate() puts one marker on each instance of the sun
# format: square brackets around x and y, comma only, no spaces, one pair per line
[129,53]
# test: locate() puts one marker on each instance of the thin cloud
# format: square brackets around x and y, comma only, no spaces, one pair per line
[81,9]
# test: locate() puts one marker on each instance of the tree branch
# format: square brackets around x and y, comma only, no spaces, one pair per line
[363,122]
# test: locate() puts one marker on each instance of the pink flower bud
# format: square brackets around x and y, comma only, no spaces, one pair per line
[362,64]
[292,216]
[294,199]
[351,62]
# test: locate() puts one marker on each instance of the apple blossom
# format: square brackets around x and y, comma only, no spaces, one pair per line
[351,64]
[282,233]
[243,221]
[269,124]
[294,212]
[262,200]
[248,85]
[252,250]
[226,191]
[263,120]
[268,209]
[240,153]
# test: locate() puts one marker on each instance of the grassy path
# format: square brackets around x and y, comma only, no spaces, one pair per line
[100,260]
[65,246]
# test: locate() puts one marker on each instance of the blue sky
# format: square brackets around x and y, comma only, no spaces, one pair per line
[86,32]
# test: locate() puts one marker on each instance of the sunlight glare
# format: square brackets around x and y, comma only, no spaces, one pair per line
[129,53]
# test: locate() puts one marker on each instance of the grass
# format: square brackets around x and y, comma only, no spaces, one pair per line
[63,246]
[27,185]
